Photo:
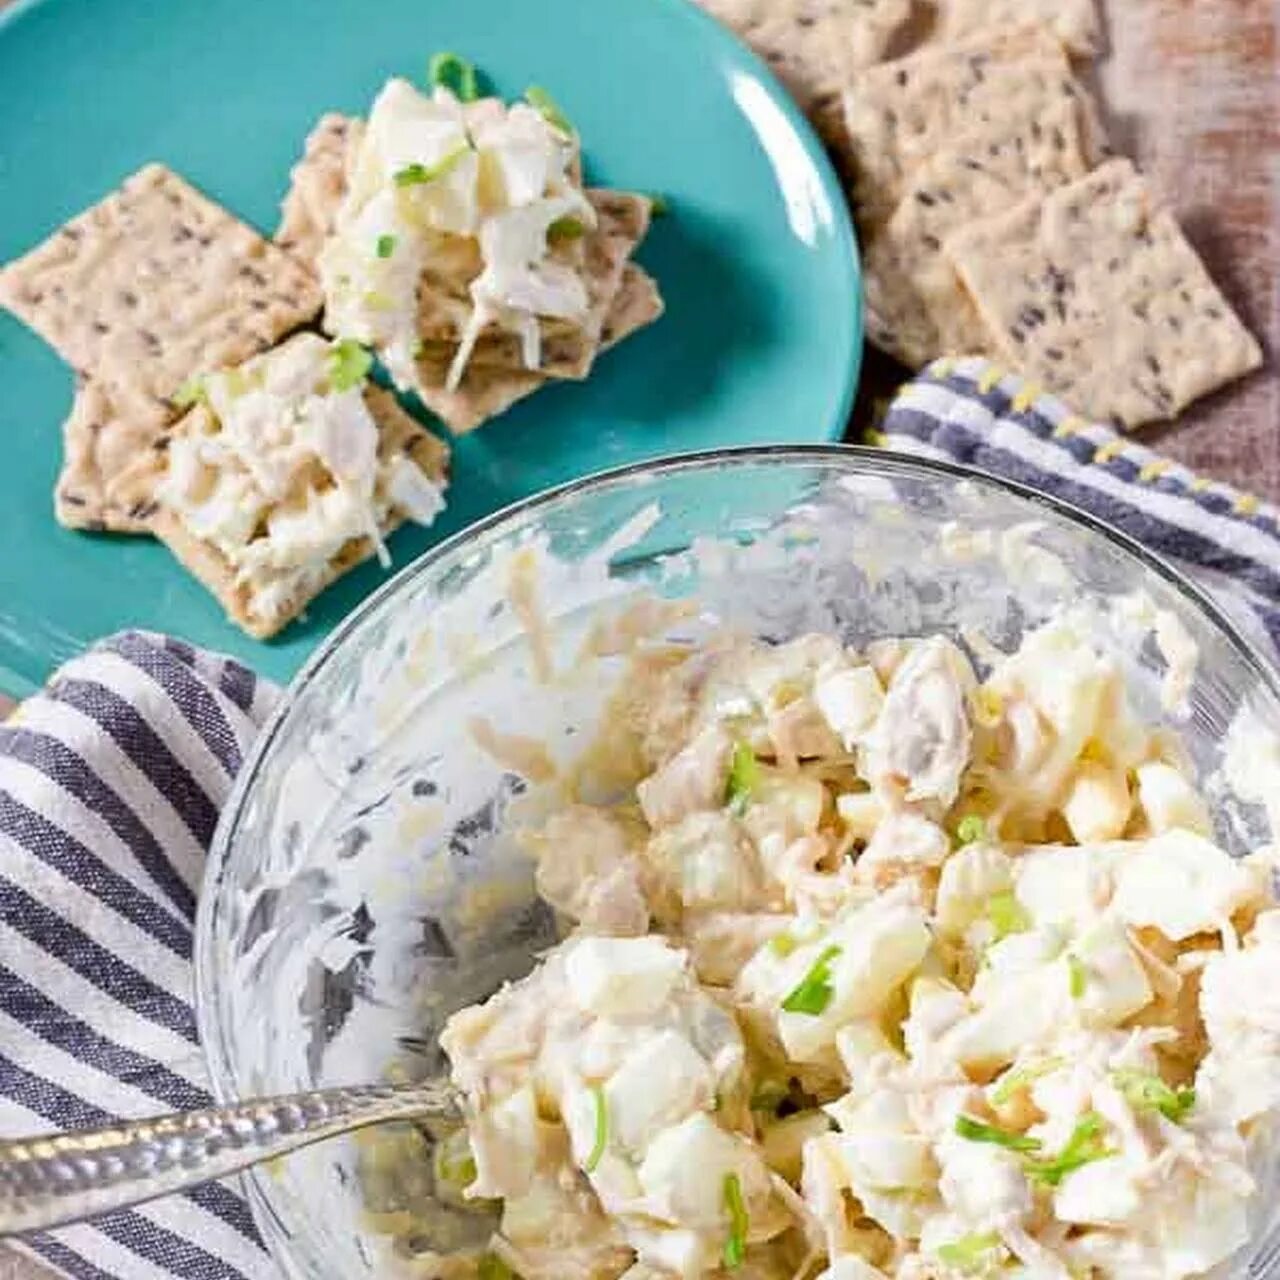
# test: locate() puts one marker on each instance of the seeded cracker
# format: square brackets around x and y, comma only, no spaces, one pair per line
[148,287]
[815,46]
[486,391]
[917,308]
[900,114]
[317,184]
[1094,292]
[1074,22]
[398,433]
[155,284]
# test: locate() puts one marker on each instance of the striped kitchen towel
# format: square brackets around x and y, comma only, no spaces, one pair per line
[112,779]
[971,411]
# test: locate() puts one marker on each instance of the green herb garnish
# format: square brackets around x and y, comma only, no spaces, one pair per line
[349,364]
[1023,1076]
[1146,1092]
[735,1247]
[967,1253]
[744,778]
[602,1129]
[454,1163]
[814,991]
[1079,976]
[386,246]
[492,1267]
[541,101]
[566,229]
[978,1131]
[971,829]
[1083,1147]
[191,392]
[449,71]
[417,175]
[1007,915]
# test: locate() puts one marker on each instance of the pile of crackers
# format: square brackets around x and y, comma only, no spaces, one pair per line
[623,298]
[144,292]
[994,219]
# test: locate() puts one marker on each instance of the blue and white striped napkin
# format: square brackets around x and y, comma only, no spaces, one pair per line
[112,779]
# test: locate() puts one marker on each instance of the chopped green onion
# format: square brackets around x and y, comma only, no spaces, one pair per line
[1079,976]
[386,246]
[540,100]
[454,1163]
[417,175]
[492,1267]
[1082,1148]
[977,1131]
[191,392]
[744,778]
[971,829]
[349,364]
[449,71]
[659,206]
[769,1095]
[814,991]
[238,382]
[1006,915]
[1146,1092]
[782,944]
[966,1254]
[602,1130]
[566,229]
[1023,1076]
[735,1247]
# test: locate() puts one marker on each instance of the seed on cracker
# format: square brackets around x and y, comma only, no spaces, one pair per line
[917,308]
[291,470]
[1094,292]
[901,113]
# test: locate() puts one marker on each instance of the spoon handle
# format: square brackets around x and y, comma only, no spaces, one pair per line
[67,1177]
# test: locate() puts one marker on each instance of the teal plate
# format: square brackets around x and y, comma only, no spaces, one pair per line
[761,341]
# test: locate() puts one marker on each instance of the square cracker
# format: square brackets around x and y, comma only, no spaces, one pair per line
[623,221]
[486,392]
[900,114]
[1074,22]
[155,284]
[1093,291]
[399,432]
[814,46]
[917,308]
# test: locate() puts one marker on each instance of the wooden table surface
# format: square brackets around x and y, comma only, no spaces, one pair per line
[1193,94]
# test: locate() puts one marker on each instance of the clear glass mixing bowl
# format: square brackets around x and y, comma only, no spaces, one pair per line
[364,880]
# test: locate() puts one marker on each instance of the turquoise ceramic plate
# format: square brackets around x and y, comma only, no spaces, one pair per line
[762,336]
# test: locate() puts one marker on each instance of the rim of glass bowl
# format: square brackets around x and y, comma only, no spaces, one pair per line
[214,1036]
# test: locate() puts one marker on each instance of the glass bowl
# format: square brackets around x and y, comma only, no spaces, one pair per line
[365,879]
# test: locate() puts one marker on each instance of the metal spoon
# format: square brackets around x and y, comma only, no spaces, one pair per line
[67,1177]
